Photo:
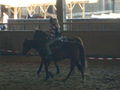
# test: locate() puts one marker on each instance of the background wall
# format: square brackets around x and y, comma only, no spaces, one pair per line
[69,24]
[100,43]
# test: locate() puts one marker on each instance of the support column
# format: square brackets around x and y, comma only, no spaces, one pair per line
[113,6]
[61,12]
[0,11]
[82,6]
[15,13]
[70,7]
[83,11]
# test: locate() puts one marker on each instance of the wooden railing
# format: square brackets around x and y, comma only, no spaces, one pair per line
[92,25]
[69,25]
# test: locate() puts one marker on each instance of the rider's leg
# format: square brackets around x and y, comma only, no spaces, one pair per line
[50,43]
[48,49]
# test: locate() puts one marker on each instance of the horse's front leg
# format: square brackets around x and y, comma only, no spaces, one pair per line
[57,67]
[40,68]
[46,70]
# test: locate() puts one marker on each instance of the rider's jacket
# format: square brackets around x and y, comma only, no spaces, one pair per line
[54,28]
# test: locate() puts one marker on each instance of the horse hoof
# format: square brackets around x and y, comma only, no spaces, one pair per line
[51,75]
[38,74]
[46,78]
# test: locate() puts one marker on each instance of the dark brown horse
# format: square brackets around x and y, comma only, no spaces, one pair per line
[71,49]
[32,44]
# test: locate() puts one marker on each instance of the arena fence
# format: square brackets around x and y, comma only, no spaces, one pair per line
[92,25]
[28,24]
[101,37]
[97,43]
[69,24]
[4,52]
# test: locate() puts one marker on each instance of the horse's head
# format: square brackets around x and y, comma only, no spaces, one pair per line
[40,36]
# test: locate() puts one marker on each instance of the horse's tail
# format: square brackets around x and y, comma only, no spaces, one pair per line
[82,54]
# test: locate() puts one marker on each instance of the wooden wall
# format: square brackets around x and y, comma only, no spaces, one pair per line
[100,43]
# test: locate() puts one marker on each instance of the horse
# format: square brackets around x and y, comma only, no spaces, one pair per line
[72,49]
[31,44]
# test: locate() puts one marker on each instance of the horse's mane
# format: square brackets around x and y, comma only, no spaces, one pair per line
[40,35]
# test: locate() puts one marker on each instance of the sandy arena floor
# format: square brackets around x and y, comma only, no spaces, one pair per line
[19,73]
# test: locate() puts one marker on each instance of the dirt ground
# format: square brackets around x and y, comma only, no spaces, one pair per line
[19,73]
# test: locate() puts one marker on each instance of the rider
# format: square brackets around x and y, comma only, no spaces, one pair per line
[55,33]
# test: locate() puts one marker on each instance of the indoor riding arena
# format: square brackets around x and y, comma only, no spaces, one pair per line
[102,63]
[98,37]
[19,72]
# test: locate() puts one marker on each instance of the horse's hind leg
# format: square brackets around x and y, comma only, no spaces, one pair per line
[40,68]
[48,74]
[81,69]
[71,69]
[46,70]
[57,67]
